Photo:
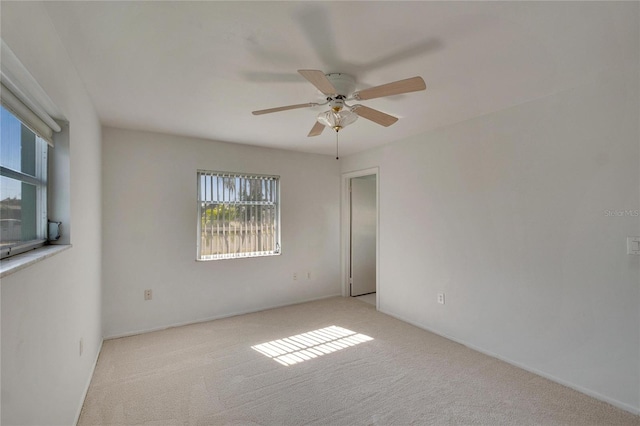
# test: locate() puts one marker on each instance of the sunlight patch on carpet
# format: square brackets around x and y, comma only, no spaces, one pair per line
[303,347]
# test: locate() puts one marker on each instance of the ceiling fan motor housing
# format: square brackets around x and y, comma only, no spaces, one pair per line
[345,84]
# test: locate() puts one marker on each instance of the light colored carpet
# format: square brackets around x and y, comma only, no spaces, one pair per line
[209,374]
[368,298]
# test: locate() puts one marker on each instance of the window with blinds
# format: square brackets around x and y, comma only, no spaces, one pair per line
[238,215]
[23,186]
[27,130]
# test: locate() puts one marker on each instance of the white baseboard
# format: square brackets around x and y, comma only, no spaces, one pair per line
[227,315]
[86,388]
[589,392]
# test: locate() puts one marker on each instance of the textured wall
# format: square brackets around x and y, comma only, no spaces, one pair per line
[509,215]
[48,307]
[150,232]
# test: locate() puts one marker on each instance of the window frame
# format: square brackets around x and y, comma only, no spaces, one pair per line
[25,99]
[39,180]
[277,248]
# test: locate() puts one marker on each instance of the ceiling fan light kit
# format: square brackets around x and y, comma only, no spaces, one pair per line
[339,88]
[337,120]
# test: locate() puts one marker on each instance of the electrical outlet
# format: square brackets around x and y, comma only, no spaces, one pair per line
[81,346]
[148,294]
[295,276]
[441,298]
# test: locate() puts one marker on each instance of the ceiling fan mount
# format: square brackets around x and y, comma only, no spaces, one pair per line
[337,89]
[344,84]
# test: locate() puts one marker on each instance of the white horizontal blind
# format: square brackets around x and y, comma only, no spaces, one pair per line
[25,114]
[238,215]
[21,94]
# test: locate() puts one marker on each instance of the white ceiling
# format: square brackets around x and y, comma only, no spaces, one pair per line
[200,68]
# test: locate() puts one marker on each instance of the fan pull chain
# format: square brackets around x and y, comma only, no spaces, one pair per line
[337,157]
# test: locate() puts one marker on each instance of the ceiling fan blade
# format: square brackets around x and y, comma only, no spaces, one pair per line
[412,84]
[374,115]
[316,129]
[283,108]
[318,79]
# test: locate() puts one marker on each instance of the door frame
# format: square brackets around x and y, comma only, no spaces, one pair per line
[345,232]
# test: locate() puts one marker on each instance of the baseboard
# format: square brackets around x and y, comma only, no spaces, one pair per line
[86,388]
[217,317]
[591,393]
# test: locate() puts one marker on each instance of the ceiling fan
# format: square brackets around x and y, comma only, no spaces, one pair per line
[339,88]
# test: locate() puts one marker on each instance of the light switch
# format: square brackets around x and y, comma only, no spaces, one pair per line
[633,245]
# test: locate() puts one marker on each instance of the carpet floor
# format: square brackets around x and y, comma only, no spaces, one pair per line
[368,298]
[331,362]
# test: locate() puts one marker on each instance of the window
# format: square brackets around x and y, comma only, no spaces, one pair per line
[238,215]
[27,128]
[23,186]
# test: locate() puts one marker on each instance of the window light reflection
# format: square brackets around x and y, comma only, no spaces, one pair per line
[303,347]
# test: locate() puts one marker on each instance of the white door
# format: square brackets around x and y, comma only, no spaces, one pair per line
[363,235]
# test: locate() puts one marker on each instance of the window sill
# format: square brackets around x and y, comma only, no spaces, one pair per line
[15,263]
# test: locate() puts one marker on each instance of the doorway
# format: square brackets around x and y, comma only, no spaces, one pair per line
[363,236]
[360,235]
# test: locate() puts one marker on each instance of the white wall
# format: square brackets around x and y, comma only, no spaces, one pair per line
[49,306]
[506,214]
[149,212]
